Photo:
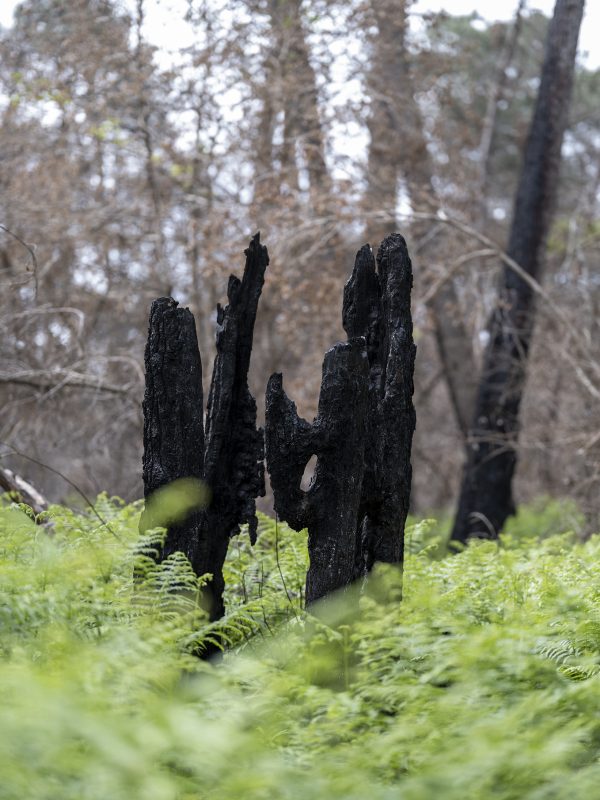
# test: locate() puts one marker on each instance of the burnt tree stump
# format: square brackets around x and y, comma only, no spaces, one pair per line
[329,508]
[227,452]
[234,447]
[355,508]
[173,416]
[377,306]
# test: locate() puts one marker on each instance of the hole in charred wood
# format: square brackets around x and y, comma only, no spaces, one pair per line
[309,471]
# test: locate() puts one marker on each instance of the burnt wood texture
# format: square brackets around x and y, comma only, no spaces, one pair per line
[355,508]
[377,306]
[329,508]
[225,452]
[486,497]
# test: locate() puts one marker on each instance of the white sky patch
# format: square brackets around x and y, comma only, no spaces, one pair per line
[589,43]
[166,28]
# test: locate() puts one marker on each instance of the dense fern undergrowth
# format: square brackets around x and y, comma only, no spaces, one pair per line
[484,682]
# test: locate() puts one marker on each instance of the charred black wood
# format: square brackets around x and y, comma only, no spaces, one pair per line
[486,496]
[337,437]
[234,447]
[377,306]
[226,453]
[355,508]
[173,418]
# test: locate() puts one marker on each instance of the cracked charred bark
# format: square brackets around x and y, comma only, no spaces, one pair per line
[227,455]
[355,508]
[234,447]
[173,419]
[329,508]
[377,306]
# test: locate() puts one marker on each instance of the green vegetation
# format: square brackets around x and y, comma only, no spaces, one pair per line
[482,683]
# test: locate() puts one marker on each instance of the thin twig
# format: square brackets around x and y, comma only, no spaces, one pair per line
[71,483]
[279,565]
[453,269]
[468,230]
[53,380]
[31,250]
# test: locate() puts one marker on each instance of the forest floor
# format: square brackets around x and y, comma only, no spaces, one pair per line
[482,682]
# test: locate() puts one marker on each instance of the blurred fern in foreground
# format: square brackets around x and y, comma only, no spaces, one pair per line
[482,683]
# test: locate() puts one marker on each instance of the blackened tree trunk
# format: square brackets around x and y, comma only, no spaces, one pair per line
[330,506]
[227,456]
[377,306]
[234,448]
[356,506]
[173,418]
[486,498]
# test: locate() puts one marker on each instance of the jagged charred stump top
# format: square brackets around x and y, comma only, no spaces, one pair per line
[173,407]
[234,455]
[227,453]
[356,507]
[377,306]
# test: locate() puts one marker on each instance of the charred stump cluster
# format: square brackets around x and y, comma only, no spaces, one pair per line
[356,505]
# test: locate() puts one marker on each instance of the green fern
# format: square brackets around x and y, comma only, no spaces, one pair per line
[468,677]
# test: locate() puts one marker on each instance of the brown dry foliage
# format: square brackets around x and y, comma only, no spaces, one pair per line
[324,125]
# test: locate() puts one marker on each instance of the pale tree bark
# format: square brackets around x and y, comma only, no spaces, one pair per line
[21,491]
[292,184]
[486,498]
[290,89]
[144,129]
[398,148]
[300,94]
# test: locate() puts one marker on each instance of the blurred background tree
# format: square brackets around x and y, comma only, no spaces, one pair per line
[136,168]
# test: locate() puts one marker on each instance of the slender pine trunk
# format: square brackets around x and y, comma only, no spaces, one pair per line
[486,498]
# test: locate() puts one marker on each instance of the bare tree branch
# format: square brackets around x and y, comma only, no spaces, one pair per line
[48,380]
[31,250]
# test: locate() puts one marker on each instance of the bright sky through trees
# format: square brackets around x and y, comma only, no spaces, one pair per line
[165,27]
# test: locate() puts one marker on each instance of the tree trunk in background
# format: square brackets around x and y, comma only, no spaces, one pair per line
[398,147]
[290,86]
[300,94]
[486,498]
[488,129]
[294,200]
